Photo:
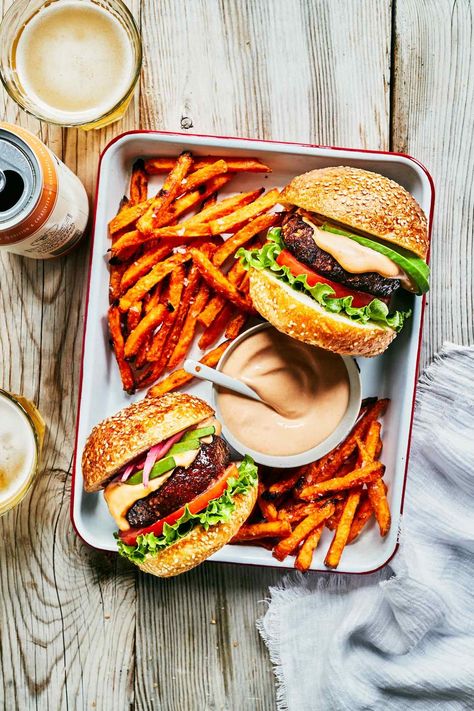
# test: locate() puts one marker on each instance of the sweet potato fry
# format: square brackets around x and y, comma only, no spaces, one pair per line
[159,271]
[216,328]
[183,230]
[269,511]
[363,475]
[305,554]
[212,310]
[202,175]
[128,216]
[349,465]
[286,483]
[144,264]
[235,325]
[268,529]
[181,377]
[134,315]
[209,201]
[172,382]
[167,340]
[367,402]
[224,207]
[363,457]
[143,330]
[141,360]
[138,183]
[116,272]
[372,440]
[189,327]
[235,275]
[218,281]
[378,500]
[161,346]
[376,489]
[188,201]
[172,298]
[155,166]
[341,535]
[326,467]
[125,245]
[189,292]
[294,513]
[303,529]
[244,235]
[244,214]
[116,336]
[332,521]
[124,202]
[156,213]
[245,285]
[362,516]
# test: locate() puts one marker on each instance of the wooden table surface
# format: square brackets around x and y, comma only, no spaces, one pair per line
[79,629]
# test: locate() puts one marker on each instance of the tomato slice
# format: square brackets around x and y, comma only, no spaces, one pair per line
[359,298]
[196,505]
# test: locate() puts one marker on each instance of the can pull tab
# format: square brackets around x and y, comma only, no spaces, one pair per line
[3,180]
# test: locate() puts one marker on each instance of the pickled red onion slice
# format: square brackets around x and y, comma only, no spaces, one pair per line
[127,472]
[158,452]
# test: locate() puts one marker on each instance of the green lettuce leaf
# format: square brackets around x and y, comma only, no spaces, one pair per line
[217,511]
[265,258]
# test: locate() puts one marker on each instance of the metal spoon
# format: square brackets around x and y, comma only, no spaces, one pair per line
[193,367]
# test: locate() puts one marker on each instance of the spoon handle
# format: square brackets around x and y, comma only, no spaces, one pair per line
[193,367]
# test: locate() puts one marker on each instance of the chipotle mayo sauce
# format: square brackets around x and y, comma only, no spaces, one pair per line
[305,391]
[356,258]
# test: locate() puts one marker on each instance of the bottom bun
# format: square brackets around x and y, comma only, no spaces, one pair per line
[199,544]
[301,317]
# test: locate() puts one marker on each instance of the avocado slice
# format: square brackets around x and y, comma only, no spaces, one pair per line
[164,465]
[417,270]
[197,434]
[160,467]
[184,446]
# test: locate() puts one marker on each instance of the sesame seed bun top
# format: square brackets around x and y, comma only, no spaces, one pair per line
[363,201]
[132,431]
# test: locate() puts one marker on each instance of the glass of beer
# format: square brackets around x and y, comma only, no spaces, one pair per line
[70,62]
[21,439]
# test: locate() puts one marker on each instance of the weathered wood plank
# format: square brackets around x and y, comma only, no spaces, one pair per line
[284,69]
[433,119]
[60,644]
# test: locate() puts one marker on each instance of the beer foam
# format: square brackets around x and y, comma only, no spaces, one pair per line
[74,61]
[17,449]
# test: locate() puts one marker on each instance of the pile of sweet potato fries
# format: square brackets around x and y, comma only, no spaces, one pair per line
[173,274]
[341,491]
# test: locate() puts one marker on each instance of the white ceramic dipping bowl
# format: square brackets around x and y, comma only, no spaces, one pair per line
[310,455]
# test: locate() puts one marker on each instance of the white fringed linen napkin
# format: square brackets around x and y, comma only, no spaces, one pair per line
[402,638]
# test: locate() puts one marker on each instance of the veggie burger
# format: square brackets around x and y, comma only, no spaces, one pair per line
[168,482]
[352,242]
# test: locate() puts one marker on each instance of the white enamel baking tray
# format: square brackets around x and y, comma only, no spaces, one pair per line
[391,375]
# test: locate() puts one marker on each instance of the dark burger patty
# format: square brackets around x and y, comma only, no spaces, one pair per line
[298,239]
[182,486]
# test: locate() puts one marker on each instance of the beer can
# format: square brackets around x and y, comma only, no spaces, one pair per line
[43,206]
